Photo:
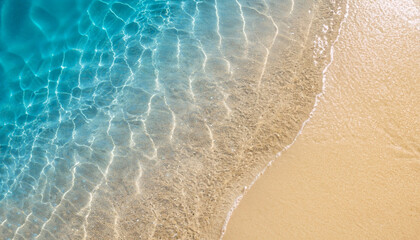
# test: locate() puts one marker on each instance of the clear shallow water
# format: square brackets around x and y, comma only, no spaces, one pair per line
[120,119]
[356,162]
[66,68]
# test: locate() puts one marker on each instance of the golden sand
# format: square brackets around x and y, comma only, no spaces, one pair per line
[354,172]
[202,141]
[230,133]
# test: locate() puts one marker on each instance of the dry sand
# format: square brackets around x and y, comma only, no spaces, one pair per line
[354,172]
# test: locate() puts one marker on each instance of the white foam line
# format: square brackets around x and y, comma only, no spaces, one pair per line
[317,100]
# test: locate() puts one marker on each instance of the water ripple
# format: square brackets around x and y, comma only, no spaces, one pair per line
[120,119]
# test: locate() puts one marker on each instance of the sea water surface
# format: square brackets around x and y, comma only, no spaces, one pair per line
[142,119]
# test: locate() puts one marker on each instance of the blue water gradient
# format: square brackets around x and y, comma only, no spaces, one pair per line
[98,96]
[63,64]
[71,74]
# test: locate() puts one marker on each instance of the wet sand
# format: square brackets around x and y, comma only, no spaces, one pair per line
[354,172]
[200,104]
[222,141]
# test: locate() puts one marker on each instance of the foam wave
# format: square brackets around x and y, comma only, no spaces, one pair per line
[128,119]
[317,100]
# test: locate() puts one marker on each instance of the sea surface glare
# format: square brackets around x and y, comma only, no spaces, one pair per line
[143,119]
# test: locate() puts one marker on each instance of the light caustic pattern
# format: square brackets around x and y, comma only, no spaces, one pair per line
[102,102]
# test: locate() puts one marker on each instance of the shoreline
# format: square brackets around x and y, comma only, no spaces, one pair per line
[278,155]
[173,143]
[243,142]
[254,207]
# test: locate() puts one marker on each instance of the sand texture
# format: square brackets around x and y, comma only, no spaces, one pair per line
[354,172]
[146,119]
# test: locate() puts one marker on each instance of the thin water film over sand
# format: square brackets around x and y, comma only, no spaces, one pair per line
[145,119]
[354,171]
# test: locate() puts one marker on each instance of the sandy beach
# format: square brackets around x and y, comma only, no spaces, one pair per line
[146,119]
[354,172]
[150,119]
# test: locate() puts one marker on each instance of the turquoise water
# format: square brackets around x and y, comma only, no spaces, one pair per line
[110,110]
[76,78]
